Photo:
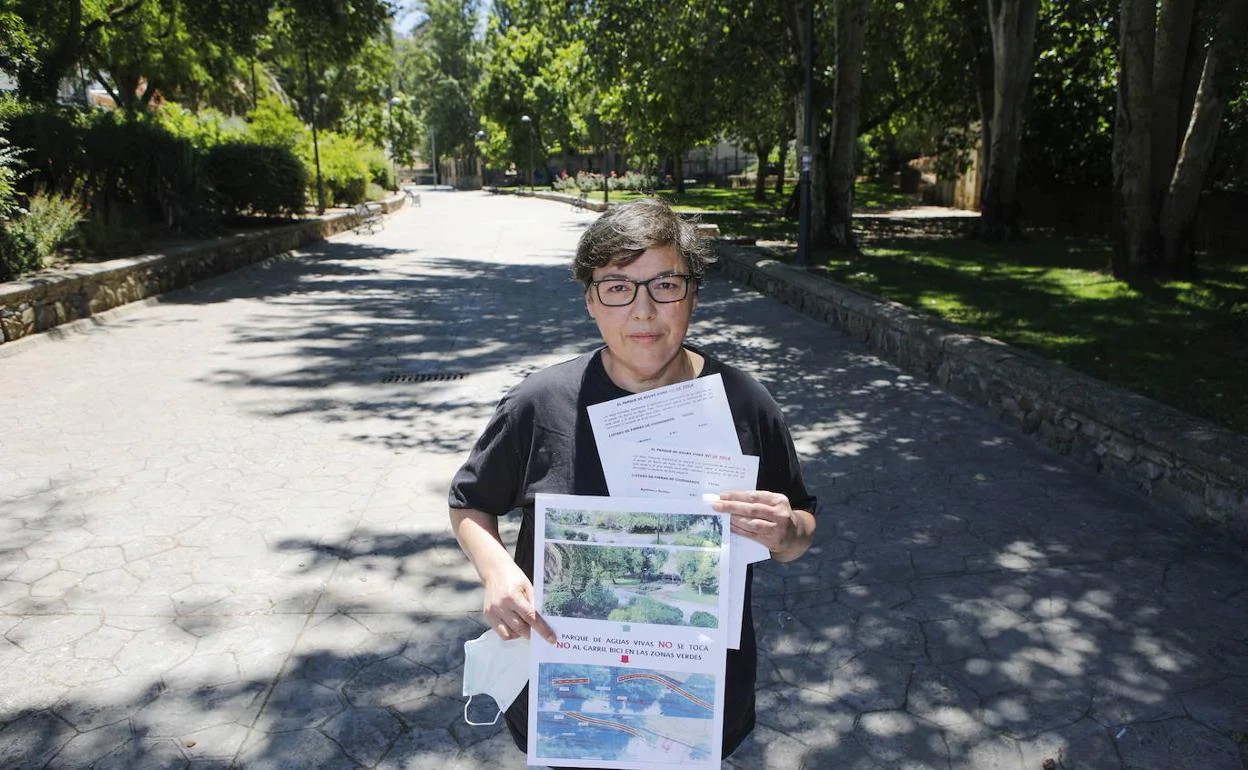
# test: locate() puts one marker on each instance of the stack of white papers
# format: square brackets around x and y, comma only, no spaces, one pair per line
[679,441]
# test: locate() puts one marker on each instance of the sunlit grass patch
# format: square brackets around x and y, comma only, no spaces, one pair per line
[1184,344]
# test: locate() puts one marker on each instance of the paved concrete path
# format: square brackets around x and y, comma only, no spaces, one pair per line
[223,535]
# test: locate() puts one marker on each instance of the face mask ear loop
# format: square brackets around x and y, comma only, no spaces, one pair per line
[479,724]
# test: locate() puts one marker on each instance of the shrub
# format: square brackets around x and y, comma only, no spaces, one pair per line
[634,182]
[344,168]
[203,129]
[267,180]
[703,620]
[27,240]
[10,173]
[588,182]
[556,600]
[647,610]
[122,164]
[380,170]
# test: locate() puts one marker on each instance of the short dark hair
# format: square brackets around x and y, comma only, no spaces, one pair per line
[627,230]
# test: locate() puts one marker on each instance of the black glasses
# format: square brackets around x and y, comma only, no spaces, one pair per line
[617,292]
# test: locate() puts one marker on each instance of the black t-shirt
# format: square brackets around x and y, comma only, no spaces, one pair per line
[540,440]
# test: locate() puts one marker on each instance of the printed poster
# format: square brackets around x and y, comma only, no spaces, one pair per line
[636,590]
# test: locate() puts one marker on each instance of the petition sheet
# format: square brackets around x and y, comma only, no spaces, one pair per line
[691,415]
[633,589]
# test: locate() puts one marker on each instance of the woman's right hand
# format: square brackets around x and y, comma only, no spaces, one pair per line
[509,605]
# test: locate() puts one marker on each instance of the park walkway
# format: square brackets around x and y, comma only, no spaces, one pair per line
[223,535]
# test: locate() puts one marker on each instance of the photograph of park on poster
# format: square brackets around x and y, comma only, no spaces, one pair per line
[624,528]
[664,586]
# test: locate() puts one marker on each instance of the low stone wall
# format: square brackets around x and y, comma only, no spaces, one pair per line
[1182,462]
[52,299]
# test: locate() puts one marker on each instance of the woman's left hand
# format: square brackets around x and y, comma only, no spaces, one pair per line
[762,516]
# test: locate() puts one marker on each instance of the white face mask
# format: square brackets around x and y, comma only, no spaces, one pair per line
[495,668]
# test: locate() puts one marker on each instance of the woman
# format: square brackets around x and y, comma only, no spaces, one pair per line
[641,266]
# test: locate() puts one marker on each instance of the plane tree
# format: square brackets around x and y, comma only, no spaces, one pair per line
[1180,62]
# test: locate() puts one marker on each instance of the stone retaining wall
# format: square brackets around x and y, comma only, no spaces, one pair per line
[1182,462]
[52,299]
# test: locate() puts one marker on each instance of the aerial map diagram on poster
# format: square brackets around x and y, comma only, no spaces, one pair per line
[632,588]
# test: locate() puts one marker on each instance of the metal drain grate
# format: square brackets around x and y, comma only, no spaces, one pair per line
[425,377]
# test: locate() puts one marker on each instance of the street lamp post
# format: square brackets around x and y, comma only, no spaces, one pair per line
[316,145]
[481,137]
[526,120]
[433,151]
[803,227]
[394,145]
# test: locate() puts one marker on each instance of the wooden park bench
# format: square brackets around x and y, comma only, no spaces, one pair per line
[370,217]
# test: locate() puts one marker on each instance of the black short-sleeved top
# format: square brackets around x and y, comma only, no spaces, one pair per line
[540,440]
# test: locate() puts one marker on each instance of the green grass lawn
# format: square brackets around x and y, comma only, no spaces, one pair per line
[1183,344]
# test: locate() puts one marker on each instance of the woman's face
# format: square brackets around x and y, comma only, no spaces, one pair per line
[644,338]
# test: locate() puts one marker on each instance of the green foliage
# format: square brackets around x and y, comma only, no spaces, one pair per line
[30,238]
[920,75]
[760,98]
[698,569]
[217,53]
[598,601]
[274,123]
[136,161]
[265,180]
[380,170]
[556,601]
[585,181]
[345,49]
[1068,132]
[440,68]
[116,161]
[11,171]
[203,129]
[592,600]
[646,610]
[1229,169]
[539,67]
[344,168]
[702,619]
[669,66]
[17,50]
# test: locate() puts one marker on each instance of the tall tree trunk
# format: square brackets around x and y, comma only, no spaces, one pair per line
[976,47]
[1178,210]
[784,157]
[818,144]
[1170,65]
[678,164]
[1012,25]
[851,28]
[1133,150]
[760,179]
